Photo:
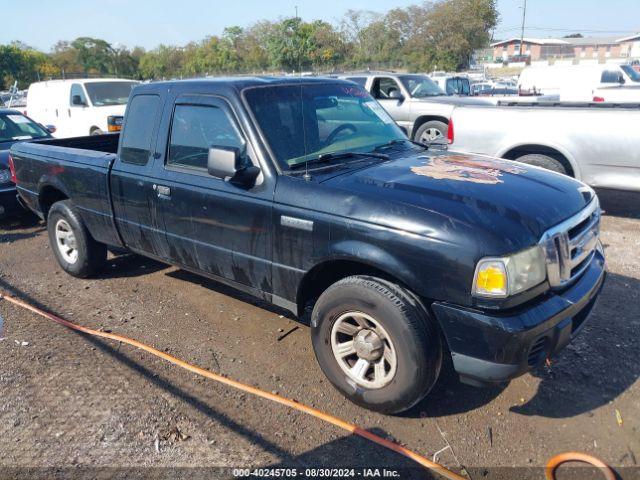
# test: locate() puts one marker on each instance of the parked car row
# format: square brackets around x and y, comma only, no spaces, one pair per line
[582,83]
[417,104]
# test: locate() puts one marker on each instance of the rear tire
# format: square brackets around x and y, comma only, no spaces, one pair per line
[399,341]
[543,161]
[76,251]
[433,130]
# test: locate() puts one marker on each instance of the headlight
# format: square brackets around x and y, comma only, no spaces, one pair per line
[5,177]
[506,276]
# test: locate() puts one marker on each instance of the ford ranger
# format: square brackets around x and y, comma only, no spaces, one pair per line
[305,193]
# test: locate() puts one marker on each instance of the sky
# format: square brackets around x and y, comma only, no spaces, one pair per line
[41,23]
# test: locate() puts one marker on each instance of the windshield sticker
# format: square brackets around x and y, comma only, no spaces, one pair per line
[18,119]
[355,92]
[380,112]
[466,169]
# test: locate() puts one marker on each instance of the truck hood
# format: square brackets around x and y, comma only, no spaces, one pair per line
[514,202]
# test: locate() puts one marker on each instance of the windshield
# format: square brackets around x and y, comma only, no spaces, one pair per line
[633,73]
[14,126]
[420,86]
[302,122]
[109,93]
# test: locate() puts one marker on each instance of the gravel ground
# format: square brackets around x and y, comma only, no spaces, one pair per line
[77,406]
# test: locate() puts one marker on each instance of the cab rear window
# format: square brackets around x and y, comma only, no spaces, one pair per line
[137,136]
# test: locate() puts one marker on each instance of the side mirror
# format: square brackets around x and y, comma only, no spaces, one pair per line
[396,95]
[622,81]
[50,128]
[223,162]
[76,100]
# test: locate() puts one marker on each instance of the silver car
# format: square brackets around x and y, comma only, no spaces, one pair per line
[419,106]
[595,143]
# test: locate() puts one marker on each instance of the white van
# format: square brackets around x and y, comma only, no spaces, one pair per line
[576,83]
[79,107]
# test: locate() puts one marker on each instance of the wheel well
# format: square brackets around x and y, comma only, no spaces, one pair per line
[518,152]
[322,276]
[48,196]
[427,118]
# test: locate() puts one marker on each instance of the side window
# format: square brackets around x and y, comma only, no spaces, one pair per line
[138,133]
[451,86]
[77,98]
[195,129]
[362,81]
[383,88]
[611,76]
[465,87]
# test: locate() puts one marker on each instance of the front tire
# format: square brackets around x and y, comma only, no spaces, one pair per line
[432,131]
[376,343]
[543,161]
[75,250]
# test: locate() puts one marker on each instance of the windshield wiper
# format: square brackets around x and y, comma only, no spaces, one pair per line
[397,141]
[327,157]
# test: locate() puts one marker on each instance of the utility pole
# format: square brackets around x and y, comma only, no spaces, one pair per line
[524,13]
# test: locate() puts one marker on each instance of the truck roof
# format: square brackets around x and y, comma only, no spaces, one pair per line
[81,80]
[244,82]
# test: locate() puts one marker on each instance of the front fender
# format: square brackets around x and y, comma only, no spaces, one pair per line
[373,256]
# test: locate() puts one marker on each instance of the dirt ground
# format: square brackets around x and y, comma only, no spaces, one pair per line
[71,405]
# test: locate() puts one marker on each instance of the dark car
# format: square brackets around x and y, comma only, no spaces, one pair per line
[306,194]
[14,127]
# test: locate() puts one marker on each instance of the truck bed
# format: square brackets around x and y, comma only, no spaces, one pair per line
[81,164]
[99,143]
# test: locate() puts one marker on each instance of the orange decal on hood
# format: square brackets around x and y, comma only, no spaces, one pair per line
[464,168]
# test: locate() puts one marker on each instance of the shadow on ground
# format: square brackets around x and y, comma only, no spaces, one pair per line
[619,203]
[129,265]
[20,222]
[233,293]
[602,361]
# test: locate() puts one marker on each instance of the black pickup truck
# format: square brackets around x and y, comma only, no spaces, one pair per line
[305,193]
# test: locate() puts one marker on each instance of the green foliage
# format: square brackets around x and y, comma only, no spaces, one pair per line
[421,37]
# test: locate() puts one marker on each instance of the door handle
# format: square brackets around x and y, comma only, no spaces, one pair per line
[162,190]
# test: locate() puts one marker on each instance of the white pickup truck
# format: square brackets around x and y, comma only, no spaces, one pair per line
[597,143]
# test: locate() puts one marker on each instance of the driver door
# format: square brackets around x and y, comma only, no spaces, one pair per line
[382,89]
[211,224]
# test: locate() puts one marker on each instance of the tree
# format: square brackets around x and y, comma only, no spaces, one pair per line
[442,33]
[162,62]
[95,55]
[21,63]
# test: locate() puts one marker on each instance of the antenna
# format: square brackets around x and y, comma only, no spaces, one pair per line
[306,175]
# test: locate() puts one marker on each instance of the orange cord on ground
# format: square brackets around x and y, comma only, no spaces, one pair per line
[555,462]
[354,429]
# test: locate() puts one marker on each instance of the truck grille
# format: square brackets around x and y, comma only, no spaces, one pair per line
[571,245]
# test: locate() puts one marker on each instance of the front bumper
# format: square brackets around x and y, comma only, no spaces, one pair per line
[496,347]
[8,202]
